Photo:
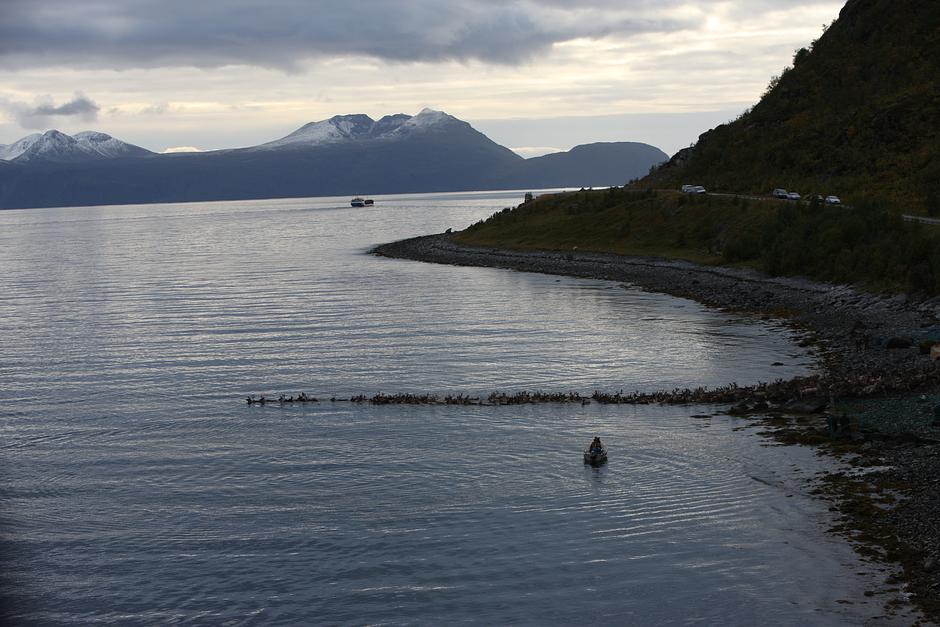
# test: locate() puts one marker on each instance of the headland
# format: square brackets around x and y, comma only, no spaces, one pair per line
[873,352]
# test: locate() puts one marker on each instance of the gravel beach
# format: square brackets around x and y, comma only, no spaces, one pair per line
[869,347]
[856,332]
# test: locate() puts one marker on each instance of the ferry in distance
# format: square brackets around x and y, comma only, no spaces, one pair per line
[361,202]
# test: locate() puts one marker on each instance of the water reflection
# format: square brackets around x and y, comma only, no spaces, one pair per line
[137,479]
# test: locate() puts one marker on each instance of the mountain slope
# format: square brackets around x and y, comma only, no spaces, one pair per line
[350,154]
[857,115]
[14,150]
[56,146]
[588,165]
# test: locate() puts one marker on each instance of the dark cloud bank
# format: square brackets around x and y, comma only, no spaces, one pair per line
[39,116]
[277,33]
[81,106]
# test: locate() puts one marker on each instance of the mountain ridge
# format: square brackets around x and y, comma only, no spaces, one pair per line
[54,145]
[429,152]
[361,127]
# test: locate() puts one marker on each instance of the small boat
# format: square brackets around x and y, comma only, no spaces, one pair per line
[357,202]
[595,456]
[369,202]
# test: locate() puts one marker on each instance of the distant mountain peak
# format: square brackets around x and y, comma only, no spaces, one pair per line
[358,126]
[351,126]
[389,123]
[428,119]
[54,145]
[398,153]
[9,152]
[336,129]
[43,146]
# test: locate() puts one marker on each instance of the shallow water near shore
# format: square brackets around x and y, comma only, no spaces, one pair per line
[139,488]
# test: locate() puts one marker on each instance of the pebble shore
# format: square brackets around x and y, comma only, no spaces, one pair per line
[852,329]
[868,346]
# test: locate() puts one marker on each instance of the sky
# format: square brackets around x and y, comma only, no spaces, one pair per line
[534,75]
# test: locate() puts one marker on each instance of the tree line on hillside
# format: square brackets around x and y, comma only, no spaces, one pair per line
[866,244]
[856,115]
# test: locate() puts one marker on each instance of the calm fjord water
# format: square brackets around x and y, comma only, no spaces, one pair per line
[138,488]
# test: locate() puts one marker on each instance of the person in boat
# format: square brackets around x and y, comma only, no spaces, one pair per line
[596,446]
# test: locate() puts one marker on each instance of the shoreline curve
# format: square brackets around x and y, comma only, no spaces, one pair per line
[867,346]
[853,330]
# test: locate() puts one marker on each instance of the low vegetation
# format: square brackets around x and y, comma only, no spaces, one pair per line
[856,115]
[866,244]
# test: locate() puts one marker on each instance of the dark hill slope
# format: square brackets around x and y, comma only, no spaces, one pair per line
[351,154]
[857,115]
[599,165]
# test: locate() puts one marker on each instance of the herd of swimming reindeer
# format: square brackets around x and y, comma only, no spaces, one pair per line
[730,393]
[496,398]
[777,392]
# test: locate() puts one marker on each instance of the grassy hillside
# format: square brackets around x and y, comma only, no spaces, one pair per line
[856,115]
[864,245]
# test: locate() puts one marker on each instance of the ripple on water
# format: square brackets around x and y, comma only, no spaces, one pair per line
[140,489]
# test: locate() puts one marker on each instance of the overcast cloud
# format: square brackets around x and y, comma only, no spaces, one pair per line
[278,33]
[44,113]
[222,74]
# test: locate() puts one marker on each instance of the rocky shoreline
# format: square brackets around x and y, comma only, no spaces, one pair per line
[869,346]
[855,332]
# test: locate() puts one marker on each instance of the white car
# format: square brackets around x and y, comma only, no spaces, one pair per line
[793,196]
[833,200]
[779,193]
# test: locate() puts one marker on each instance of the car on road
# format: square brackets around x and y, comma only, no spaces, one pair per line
[833,200]
[779,193]
[693,189]
[793,196]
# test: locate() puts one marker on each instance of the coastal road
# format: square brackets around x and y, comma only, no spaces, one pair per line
[905,216]
[921,219]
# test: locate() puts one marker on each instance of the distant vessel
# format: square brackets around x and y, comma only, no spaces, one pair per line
[361,202]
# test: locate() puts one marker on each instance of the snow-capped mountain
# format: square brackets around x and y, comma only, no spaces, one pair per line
[346,154]
[427,120]
[338,128]
[360,127]
[57,146]
[108,147]
[14,150]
